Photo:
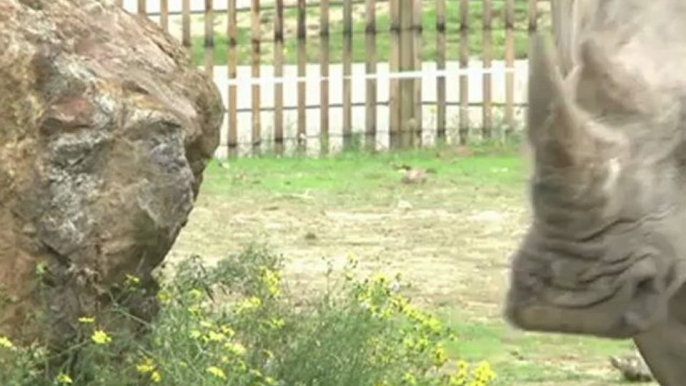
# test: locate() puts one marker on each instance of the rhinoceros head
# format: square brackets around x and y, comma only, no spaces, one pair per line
[606,246]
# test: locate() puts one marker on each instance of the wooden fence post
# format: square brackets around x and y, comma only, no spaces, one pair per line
[164,15]
[186,22]
[278,73]
[487,106]
[416,138]
[256,103]
[347,72]
[408,123]
[370,101]
[395,133]
[302,72]
[464,65]
[232,62]
[440,66]
[509,66]
[209,38]
[143,8]
[324,73]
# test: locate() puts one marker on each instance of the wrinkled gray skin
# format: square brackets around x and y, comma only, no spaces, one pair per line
[605,252]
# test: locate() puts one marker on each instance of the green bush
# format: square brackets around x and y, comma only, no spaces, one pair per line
[236,323]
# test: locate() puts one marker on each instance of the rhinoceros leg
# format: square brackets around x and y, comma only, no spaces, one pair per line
[664,347]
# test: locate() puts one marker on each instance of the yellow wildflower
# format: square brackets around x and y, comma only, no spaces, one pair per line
[440,357]
[163,297]
[235,348]
[277,323]
[241,366]
[216,371]
[100,337]
[86,320]
[6,343]
[248,304]
[146,366]
[409,379]
[131,280]
[195,334]
[228,331]
[195,310]
[271,280]
[195,293]
[155,377]
[484,373]
[216,336]
[63,379]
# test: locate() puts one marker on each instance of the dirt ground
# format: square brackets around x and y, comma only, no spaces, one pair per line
[453,257]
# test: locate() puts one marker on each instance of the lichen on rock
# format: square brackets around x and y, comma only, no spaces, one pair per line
[105,130]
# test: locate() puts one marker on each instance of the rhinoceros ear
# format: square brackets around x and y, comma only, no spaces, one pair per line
[555,123]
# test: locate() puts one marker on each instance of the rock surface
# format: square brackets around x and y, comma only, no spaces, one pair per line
[105,130]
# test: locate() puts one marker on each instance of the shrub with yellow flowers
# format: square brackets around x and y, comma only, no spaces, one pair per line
[237,323]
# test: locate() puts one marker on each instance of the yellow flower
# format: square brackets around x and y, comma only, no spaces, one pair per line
[155,377]
[195,334]
[6,343]
[277,323]
[409,379]
[271,280]
[216,336]
[131,280]
[100,337]
[484,372]
[380,279]
[146,366]
[228,331]
[440,357]
[195,310]
[63,379]
[352,259]
[163,297]
[248,304]
[195,293]
[86,320]
[235,348]
[216,371]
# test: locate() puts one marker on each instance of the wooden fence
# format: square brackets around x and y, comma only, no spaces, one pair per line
[409,34]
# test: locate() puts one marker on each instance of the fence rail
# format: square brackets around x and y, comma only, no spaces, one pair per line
[399,69]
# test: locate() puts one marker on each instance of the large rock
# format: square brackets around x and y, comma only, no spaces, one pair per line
[105,130]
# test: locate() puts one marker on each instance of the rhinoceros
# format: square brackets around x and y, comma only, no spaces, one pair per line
[605,253]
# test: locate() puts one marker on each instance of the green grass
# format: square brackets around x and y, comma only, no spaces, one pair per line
[525,358]
[383,39]
[354,177]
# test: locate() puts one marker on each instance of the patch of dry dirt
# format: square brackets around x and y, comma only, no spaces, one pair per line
[455,257]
